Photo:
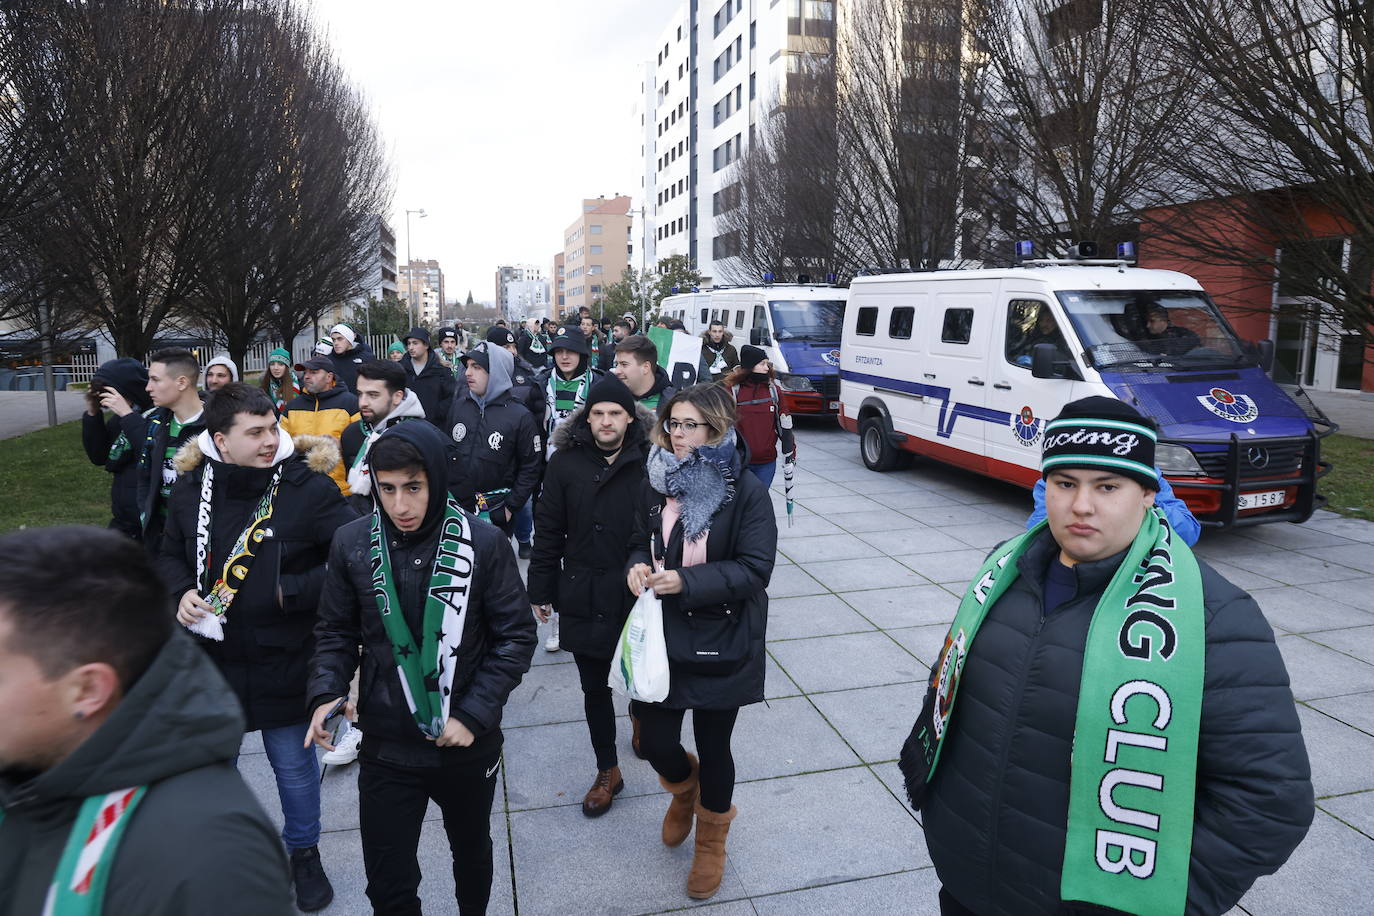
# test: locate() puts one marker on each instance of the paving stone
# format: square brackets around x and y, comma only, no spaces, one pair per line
[911,893]
[986,535]
[251,744]
[1316,671]
[824,504]
[872,572]
[1293,569]
[1356,809]
[1331,747]
[882,485]
[865,522]
[841,662]
[776,683]
[548,693]
[913,540]
[1358,593]
[825,547]
[891,775]
[791,833]
[912,606]
[1355,710]
[923,642]
[1293,537]
[1356,529]
[791,582]
[783,738]
[950,566]
[1299,611]
[550,765]
[1356,641]
[805,527]
[1356,556]
[850,473]
[1329,873]
[874,720]
[814,615]
[1244,578]
[541,657]
[919,498]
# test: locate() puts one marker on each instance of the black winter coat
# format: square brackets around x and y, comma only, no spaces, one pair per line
[151,436]
[498,641]
[98,437]
[496,447]
[995,815]
[267,644]
[346,364]
[582,528]
[728,590]
[527,387]
[434,386]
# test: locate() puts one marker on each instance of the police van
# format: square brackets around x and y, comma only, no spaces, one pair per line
[797,325]
[967,366]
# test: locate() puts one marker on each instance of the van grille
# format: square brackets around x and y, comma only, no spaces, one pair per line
[1272,459]
[827,385]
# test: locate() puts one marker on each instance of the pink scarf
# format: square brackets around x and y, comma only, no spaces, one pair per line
[693,552]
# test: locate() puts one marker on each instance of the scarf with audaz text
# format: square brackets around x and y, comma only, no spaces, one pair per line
[1134,766]
[426,672]
[221,592]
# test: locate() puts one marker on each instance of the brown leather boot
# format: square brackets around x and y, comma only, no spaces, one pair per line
[634,736]
[603,792]
[708,862]
[677,823]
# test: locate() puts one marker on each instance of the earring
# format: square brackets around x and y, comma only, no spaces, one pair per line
[78,715]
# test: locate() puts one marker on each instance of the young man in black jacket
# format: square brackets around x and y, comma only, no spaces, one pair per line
[527,387]
[248,533]
[433,596]
[430,379]
[174,420]
[498,459]
[584,524]
[636,364]
[121,387]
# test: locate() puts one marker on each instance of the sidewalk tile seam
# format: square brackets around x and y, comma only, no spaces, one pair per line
[1308,703]
[1342,820]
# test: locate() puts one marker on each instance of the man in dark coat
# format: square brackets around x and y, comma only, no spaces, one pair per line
[430,380]
[119,386]
[272,513]
[102,697]
[347,355]
[452,587]
[997,809]
[175,419]
[527,387]
[718,354]
[584,521]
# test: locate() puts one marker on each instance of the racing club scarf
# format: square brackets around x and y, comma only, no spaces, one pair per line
[426,674]
[1134,767]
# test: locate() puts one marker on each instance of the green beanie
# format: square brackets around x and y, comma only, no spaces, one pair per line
[397,347]
[279,355]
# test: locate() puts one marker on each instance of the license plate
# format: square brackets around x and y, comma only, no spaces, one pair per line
[834,405]
[1261,500]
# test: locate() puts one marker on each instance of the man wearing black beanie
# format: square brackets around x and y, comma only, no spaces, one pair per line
[1128,738]
[583,525]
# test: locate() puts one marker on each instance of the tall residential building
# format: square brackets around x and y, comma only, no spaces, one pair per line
[380,283]
[422,285]
[596,251]
[522,291]
[558,291]
[717,72]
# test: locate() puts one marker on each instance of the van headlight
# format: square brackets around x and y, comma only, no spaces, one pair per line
[1177,461]
[791,382]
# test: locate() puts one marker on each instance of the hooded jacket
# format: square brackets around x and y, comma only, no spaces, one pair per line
[434,386]
[197,840]
[548,395]
[497,443]
[354,441]
[100,437]
[346,364]
[996,813]
[713,353]
[325,414]
[583,523]
[267,643]
[498,632]
[728,591]
[153,432]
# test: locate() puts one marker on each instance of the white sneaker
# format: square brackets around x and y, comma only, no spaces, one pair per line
[551,644]
[345,748]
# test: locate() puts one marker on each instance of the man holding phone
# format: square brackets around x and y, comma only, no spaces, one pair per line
[433,596]
[119,386]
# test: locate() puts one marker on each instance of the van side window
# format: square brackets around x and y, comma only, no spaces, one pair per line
[703,316]
[868,321]
[760,317]
[739,318]
[958,326]
[900,324]
[1030,322]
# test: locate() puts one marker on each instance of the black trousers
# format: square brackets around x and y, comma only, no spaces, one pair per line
[660,739]
[599,707]
[391,808]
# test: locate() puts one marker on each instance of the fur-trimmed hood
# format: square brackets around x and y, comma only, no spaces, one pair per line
[321,453]
[724,341]
[565,433]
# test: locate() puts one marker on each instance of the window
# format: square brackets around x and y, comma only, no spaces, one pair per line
[760,317]
[595,230]
[596,249]
[739,319]
[900,324]
[704,316]
[752,92]
[867,325]
[957,327]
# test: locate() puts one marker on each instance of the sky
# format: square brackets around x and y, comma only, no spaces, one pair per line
[500,117]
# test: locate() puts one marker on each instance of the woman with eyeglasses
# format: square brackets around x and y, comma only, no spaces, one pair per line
[704,542]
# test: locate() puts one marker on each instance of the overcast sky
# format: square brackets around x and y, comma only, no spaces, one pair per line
[501,116]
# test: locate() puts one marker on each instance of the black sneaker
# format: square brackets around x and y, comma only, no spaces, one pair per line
[525,550]
[313,890]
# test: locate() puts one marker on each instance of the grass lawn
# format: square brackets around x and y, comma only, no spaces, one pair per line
[46,479]
[1349,488]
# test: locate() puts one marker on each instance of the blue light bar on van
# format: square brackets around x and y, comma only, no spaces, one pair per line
[675,289]
[1125,251]
[696,289]
[768,277]
[831,278]
[1025,250]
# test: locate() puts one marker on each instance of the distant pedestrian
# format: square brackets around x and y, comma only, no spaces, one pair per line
[322,409]
[117,790]
[396,352]
[530,340]
[718,354]
[220,371]
[174,420]
[1127,740]
[430,380]
[347,354]
[705,542]
[527,387]
[279,381]
[119,386]
[763,420]
[567,383]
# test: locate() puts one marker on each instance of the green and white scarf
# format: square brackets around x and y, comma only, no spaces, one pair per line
[426,673]
[1134,765]
[562,398]
[78,884]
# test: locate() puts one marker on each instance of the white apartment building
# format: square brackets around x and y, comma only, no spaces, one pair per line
[522,291]
[718,70]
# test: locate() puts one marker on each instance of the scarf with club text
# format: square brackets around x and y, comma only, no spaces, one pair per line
[220,594]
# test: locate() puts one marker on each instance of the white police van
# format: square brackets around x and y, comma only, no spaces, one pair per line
[798,325]
[967,366]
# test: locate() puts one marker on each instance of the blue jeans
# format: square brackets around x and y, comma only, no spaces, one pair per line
[524,523]
[764,472]
[298,783]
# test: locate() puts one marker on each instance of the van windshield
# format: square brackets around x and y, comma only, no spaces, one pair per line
[807,319]
[1153,329]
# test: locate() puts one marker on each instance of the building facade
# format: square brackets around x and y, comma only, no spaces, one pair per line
[522,291]
[421,284]
[596,251]
[558,297]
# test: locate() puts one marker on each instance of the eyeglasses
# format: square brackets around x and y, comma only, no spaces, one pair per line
[687,426]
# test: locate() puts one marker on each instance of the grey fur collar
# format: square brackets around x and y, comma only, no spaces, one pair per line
[703,482]
[563,433]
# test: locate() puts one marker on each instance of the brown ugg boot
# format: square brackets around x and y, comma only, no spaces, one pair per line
[708,863]
[677,823]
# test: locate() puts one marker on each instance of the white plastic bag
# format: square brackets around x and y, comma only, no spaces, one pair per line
[639,667]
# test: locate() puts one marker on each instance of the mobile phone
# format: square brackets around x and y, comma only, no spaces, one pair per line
[334,711]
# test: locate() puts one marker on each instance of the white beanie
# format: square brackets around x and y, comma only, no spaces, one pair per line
[346,331]
[224,360]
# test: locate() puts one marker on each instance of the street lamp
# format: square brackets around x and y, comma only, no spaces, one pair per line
[410,273]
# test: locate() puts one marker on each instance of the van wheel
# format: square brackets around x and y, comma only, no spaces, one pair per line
[878,452]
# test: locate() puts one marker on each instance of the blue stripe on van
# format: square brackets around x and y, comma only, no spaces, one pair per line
[948,413]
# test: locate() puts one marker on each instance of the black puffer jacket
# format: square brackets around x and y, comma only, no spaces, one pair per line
[267,644]
[346,364]
[497,445]
[582,527]
[101,440]
[995,815]
[434,386]
[498,631]
[729,589]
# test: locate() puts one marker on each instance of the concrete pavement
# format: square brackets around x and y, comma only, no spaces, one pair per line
[25,411]
[867,581]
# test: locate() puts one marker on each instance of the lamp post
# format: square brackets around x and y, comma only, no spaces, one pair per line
[410,273]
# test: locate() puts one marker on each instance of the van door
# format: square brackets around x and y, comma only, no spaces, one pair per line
[1023,403]
[959,331]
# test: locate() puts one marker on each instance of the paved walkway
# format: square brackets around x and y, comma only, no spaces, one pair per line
[25,411]
[1354,412]
[866,584]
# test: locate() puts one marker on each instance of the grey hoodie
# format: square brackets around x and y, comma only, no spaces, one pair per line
[501,371]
